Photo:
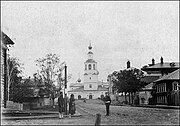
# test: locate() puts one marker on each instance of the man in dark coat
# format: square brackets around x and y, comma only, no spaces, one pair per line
[61,105]
[72,107]
[66,101]
[107,101]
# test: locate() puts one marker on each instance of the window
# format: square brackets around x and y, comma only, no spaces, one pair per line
[89,66]
[158,88]
[90,78]
[85,67]
[175,85]
[90,86]
[94,66]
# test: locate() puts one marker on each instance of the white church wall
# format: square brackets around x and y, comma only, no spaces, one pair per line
[86,94]
[90,78]
[90,86]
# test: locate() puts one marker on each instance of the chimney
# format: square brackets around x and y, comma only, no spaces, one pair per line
[161,60]
[128,64]
[153,61]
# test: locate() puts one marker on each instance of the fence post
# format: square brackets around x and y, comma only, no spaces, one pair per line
[98,119]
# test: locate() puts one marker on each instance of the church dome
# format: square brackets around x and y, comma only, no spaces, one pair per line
[90,47]
[79,80]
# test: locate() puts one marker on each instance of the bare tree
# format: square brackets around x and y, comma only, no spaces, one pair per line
[50,69]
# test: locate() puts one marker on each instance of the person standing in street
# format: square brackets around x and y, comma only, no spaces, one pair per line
[72,108]
[107,101]
[61,105]
[66,100]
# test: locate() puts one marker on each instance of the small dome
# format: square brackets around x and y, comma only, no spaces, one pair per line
[79,80]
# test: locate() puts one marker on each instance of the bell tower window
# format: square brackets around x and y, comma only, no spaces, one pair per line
[94,66]
[85,67]
[89,66]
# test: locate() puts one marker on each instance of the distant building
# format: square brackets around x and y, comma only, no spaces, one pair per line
[5,41]
[91,88]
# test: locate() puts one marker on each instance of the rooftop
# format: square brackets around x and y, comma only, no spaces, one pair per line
[90,61]
[162,66]
[6,39]
[149,79]
[172,76]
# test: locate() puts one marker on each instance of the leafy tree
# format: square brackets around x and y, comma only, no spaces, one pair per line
[23,91]
[127,81]
[18,90]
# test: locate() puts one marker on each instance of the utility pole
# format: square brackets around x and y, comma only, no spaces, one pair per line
[65,86]
[65,82]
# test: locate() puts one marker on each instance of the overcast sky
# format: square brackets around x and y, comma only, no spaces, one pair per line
[118,31]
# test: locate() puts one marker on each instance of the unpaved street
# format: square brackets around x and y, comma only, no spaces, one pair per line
[119,115]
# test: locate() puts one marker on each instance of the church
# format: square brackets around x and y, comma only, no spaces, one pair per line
[91,88]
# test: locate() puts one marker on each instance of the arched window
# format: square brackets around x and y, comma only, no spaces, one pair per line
[90,86]
[79,96]
[175,85]
[89,66]
[85,67]
[94,66]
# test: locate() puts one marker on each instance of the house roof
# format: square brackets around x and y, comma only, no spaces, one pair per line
[172,76]
[81,89]
[162,66]
[6,39]
[149,79]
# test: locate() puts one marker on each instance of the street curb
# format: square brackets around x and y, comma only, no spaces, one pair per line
[38,117]
[162,107]
[150,106]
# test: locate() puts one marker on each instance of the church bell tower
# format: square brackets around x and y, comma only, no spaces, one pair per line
[90,71]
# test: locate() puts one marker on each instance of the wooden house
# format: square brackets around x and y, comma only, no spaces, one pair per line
[5,42]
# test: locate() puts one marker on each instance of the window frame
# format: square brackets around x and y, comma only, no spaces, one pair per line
[89,67]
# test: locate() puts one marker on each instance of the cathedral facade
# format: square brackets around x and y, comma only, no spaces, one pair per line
[91,88]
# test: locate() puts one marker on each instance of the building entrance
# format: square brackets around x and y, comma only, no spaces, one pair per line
[90,96]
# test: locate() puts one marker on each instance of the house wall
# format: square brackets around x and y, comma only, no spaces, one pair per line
[166,95]
[14,106]
[4,96]
[175,98]
[2,76]
[47,101]
[143,97]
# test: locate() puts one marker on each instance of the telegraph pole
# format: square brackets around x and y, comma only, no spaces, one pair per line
[65,86]
[65,82]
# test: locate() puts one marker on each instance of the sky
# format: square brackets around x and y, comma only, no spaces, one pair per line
[117,31]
